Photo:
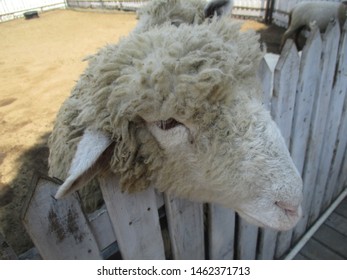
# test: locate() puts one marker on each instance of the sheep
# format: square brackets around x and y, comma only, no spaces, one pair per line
[178,11]
[182,113]
[154,14]
[308,14]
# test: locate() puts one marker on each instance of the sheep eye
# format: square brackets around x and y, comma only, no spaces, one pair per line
[167,124]
[176,23]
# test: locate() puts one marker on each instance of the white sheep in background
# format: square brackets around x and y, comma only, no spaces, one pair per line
[179,109]
[176,12]
[318,13]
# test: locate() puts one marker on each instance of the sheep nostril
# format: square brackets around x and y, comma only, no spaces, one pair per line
[288,208]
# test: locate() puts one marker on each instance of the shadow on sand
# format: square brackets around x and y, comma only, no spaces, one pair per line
[12,196]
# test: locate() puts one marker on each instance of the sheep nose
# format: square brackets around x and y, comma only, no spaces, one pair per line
[290,209]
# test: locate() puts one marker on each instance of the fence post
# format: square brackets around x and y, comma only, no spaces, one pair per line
[269,11]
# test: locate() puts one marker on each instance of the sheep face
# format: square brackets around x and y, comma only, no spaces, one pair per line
[240,163]
[224,148]
[183,113]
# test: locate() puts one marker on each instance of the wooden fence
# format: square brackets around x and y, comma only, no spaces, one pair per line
[12,9]
[307,96]
[107,4]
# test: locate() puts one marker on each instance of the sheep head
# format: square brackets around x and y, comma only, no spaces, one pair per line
[183,113]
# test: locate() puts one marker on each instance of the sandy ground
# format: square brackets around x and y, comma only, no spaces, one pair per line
[40,61]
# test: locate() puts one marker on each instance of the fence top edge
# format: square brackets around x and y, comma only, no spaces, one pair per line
[37,176]
[289,50]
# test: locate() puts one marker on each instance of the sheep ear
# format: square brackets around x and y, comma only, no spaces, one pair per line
[218,7]
[92,156]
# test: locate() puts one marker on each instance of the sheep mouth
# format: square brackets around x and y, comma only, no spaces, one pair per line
[293,211]
[279,219]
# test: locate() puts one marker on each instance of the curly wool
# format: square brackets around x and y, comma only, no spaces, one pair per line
[175,11]
[153,76]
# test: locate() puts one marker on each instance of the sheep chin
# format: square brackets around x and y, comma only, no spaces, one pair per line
[285,221]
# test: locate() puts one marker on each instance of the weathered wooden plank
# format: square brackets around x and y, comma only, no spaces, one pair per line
[317,128]
[340,93]
[314,250]
[101,227]
[342,208]
[282,102]
[221,232]
[342,179]
[267,244]
[309,75]
[307,84]
[186,228]
[135,220]
[265,73]
[6,251]
[282,110]
[331,44]
[332,239]
[333,189]
[337,222]
[283,243]
[339,174]
[58,228]
[247,241]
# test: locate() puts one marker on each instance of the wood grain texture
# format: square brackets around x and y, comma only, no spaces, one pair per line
[247,241]
[306,162]
[58,228]
[135,220]
[186,228]
[329,57]
[221,232]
